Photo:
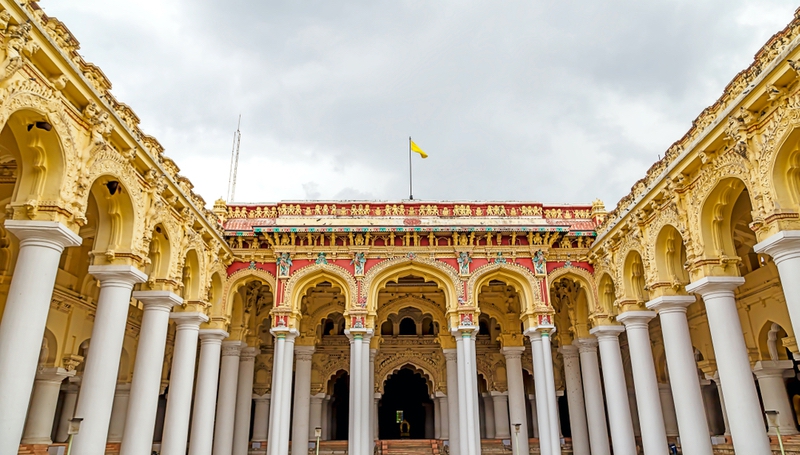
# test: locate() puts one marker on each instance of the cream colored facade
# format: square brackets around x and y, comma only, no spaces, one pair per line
[167,326]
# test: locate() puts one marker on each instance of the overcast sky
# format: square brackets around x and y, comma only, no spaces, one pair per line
[547,101]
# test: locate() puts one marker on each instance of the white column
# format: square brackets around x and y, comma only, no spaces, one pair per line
[205,395]
[498,402]
[534,422]
[683,378]
[467,392]
[315,415]
[668,407]
[44,400]
[24,318]
[366,397]
[552,401]
[244,399]
[429,430]
[326,419]
[437,418]
[354,440]
[67,408]
[619,413]
[489,416]
[261,418]
[137,438]
[747,424]
[770,375]
[226,398]
[722,408]
[181,380]
[281,405]
[593,394]
[102,363]
[444,420]
[577,406]
[119,412]
[784,247]
[302,397]
[648,399]
[540,389]
[516,396]
[450,357]
[373,402]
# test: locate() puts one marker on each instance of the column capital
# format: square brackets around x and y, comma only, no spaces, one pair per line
[51,234]
[189,320]
[636,319]
[158,300]
[53,374]
[513,352]
[588,344]
[122,389]
[231,348]
[711,285]
[671,303]
[464,331]
[450,355]
[303,353]
[117,275]
[781,246]
[768,368]
[248,353]
[317,398]
[264,397]
[372,354]
[607,331]
[212,335]
[439,394]
[285,333]
[569,351]
[498,395]
[360,334]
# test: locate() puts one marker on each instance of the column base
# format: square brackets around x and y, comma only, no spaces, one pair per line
[33,449]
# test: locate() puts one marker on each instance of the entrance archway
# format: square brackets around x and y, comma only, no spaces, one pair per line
[405,391]
[339,416]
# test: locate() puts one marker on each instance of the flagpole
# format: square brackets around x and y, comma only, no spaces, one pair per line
[410,177]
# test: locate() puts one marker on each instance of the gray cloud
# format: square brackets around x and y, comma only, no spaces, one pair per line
[552,101]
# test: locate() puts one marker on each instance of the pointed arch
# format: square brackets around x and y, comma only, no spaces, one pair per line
[521,278]
[236,280]
[393,269]
[310,276]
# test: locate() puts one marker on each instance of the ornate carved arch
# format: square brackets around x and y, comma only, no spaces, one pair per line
[299,280]
[425,306]
[430,365]
[446,275]
[239,277]
[529,284]
[583,276]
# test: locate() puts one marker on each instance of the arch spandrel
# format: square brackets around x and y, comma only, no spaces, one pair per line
[308,276]
[392,269]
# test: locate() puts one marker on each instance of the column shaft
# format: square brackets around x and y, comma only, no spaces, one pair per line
[552,402]
[771,381]
[445,418]
[261,418]
[437,419]
[244,400]
[683,379]
[593,394]
[205,395]
[498,402]
[102,362]
[648,399]
[784,247]
[354,441]
[302,400]
[540,389]
[140,422]
[747,424]
[315,415]
[279,350]
[119,413]
[226,398]
[575,401]
[668,407]
[67,408]
[516,396]
[453,416]
[181,380]
[285,410]
[42,411]
[24,318]
[619,413]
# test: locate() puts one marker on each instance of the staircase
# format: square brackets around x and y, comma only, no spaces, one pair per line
[410,447]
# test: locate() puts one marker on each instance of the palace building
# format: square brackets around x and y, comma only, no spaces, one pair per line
[135,320]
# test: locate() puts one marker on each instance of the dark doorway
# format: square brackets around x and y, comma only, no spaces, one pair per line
[404,391]
[340,407]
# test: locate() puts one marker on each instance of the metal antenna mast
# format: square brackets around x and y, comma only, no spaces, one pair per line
[237,137]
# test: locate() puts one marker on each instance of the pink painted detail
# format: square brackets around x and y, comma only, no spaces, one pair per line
[545,320]
[358,322]
[465,319]
[281,320]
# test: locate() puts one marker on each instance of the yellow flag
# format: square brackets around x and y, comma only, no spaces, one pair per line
[415,148]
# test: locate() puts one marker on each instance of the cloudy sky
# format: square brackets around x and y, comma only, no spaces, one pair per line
[547,101]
